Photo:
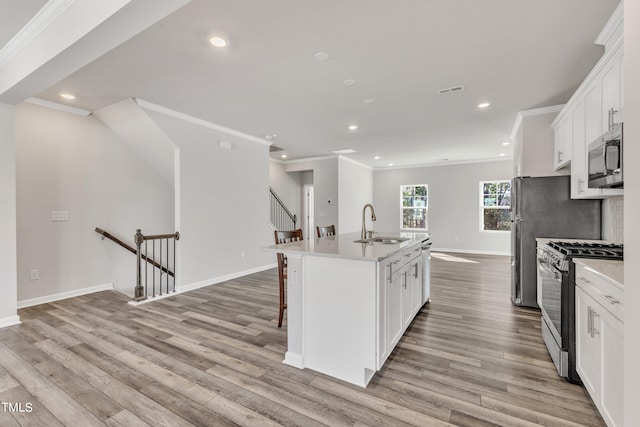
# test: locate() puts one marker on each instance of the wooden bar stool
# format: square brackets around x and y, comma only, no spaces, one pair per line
[284,237]
[329,230]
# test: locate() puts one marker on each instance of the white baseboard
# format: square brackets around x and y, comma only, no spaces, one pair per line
[64,295]
[216,280]
[293,359]
[10,321]
[471,251]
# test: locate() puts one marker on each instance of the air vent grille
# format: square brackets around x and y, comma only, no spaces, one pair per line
[452,89]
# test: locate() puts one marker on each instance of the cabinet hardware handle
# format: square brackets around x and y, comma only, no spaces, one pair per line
[594,331]
[415,274]
[584,279]
[408,255]
[589,321]
[559,156]
[404,282]
[580,182]
[611,299]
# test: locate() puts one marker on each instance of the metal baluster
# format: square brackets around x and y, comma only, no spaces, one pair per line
[160,267]
[174,262]
[154,268]
[146,269]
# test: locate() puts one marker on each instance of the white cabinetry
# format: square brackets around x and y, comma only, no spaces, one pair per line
[401,282]
[586,116]
[600,339]
[562,142]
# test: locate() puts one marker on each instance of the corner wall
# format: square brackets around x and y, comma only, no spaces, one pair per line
[8,250]
[224,203]
[454,203]
[354,192]
[71,163]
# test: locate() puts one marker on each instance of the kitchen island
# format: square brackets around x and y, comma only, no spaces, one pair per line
[349,303]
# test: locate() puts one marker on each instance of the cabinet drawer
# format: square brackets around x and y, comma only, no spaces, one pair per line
[604,292]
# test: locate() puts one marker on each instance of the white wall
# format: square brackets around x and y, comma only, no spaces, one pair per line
[224,203]
[355,189]
[8,252]
[454,203]
[71,163]
[325,187]
[533,153]
[631,209]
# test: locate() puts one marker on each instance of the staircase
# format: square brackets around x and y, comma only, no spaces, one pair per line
[280,216]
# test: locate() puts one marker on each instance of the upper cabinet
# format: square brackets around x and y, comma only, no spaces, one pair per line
[597,103]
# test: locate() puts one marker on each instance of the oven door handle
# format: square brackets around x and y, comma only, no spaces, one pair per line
[550,269]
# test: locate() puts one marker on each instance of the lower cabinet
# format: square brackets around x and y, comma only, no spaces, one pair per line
[400,298]
[600,344]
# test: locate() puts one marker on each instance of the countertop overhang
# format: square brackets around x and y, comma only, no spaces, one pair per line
[344,246]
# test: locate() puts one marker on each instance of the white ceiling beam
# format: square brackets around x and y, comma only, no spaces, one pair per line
[66,35]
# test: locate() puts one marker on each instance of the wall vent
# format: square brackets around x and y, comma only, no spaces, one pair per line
[452,89]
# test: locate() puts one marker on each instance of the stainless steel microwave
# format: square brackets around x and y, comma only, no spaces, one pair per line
[605,159]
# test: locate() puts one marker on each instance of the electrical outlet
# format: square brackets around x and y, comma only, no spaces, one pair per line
[35,274]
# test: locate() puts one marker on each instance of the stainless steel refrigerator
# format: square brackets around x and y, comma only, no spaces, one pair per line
[542,207]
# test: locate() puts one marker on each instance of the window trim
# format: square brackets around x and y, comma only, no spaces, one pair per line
[402,208]
[482,206]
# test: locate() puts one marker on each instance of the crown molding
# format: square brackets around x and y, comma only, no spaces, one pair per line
[59,107]
[613,30]
[532,112]
[32,29]
[197,121]
[461,162]
[355,162]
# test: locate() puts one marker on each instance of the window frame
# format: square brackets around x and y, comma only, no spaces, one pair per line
[483,206]
[402,208]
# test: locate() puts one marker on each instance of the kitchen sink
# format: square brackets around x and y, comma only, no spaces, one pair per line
[385,240]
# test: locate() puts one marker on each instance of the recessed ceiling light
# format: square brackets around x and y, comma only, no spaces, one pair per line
[506,143]
[350,82]
[218,41]
[502,154]
[67,96]
[369,101]
[390,164]
[353,127]
[376,158]
[321,56]
[284,156]
[483,105]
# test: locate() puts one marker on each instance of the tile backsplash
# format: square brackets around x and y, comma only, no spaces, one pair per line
[613,219]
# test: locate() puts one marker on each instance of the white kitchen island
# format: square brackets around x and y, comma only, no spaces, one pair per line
[349,303]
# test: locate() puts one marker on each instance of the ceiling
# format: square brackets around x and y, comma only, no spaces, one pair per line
[516,55]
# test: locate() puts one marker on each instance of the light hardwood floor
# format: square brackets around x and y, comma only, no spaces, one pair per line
[213,357]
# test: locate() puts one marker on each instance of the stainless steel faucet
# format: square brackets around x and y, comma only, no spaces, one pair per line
[363,235]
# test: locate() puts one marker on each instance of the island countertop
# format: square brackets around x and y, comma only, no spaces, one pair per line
[344,246]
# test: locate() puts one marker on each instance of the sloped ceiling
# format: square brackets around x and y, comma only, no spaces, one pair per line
[517,55]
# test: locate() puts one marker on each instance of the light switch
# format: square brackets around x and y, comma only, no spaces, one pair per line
[59,216]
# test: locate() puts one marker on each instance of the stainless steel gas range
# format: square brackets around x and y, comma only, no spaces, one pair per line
[556,296]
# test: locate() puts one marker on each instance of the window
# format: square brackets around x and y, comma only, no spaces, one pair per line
[495,202]
[414,205]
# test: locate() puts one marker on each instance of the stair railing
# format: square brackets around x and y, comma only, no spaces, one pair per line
[161,273]
[280,216]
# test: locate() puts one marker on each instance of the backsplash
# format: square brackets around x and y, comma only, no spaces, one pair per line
[613,219]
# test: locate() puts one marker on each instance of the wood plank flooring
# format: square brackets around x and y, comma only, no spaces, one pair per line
[213,357]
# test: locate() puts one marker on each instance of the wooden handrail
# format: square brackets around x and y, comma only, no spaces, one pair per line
[175,235]
[133,250]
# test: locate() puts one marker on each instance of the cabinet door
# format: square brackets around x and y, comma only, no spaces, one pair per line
[611,82]
[407,306]
[588,346]
[612,398]
[416,286]
[578,156]
[562,142]
[394,309]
